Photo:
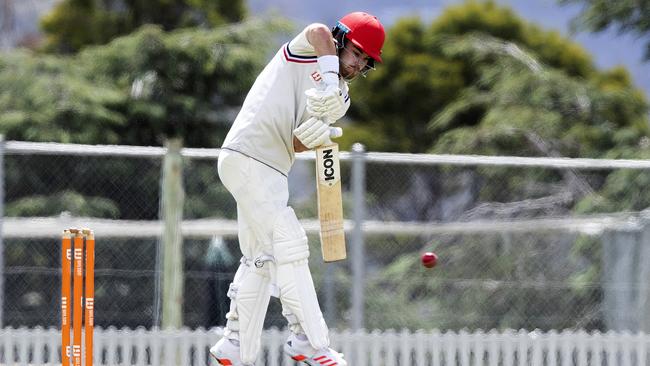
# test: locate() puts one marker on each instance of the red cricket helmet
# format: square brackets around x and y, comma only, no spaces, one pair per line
[364,31]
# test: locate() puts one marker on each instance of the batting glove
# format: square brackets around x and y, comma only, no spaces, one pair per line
[327,104]
[315,132]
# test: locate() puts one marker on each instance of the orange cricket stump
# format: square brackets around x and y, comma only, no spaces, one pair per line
[90,294]
[78,252]
[77,290]
[66,256]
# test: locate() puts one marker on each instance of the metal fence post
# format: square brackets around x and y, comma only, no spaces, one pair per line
[357,250]
[2,247]
[622,261]
[644,274]
[329,306]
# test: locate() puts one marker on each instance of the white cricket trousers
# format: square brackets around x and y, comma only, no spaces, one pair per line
[261,192]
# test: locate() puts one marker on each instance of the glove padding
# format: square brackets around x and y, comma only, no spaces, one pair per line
[328,104]
[315,132]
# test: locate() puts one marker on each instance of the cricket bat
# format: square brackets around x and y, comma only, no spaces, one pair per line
[330,203]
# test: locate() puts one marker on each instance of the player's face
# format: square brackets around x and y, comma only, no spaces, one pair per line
[353,61]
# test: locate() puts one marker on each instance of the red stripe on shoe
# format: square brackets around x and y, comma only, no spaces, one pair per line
[319,358]
[299,358]
[224,361]
[325,361]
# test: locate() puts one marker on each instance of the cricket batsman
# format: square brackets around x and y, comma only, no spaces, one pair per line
[290,108]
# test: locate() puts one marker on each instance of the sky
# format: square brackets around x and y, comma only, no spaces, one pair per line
[607,48]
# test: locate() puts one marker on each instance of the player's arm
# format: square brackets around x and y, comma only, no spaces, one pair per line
[316,131]
[320,37]
[327,102]
[298,146]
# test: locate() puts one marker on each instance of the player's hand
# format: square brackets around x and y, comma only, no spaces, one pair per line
[315,132]
[328,104]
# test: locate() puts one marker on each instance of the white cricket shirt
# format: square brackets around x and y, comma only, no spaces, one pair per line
[276,105]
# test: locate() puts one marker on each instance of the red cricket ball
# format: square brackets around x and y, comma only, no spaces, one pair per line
[429,259]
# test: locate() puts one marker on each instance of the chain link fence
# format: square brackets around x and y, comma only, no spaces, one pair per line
[537,243]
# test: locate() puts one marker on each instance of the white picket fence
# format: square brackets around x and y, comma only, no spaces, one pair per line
[433,348]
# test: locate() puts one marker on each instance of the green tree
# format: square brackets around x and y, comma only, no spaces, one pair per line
[47,98]
[420,77]
[137,89]
[185,83]
[526,108]
[73,24]
[627,16]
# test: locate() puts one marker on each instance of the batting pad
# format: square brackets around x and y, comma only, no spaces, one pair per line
[294,279]
[249,293]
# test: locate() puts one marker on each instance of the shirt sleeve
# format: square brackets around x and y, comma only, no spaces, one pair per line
[300,46]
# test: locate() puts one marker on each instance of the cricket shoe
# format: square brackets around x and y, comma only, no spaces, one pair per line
[301,350]
[227,353]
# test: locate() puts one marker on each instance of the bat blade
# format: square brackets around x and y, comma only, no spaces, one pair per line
[330,203]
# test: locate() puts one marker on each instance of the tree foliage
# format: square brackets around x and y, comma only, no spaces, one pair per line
[136,89]
[48,98]
[627,16]
[521,107]
[426,74]
[73,24]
